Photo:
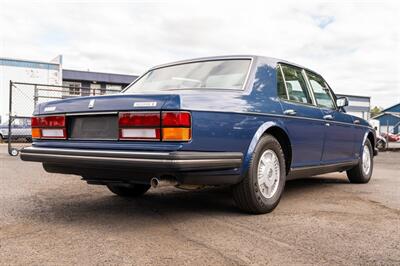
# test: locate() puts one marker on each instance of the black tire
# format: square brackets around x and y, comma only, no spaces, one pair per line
[131,191]
[381,145]
[247,194]
[357,174]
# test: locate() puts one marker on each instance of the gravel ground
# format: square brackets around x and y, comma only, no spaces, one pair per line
[48,219]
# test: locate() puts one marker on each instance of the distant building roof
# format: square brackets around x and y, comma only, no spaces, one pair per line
[15,62]
[387,113]
[69,74]
[393,108]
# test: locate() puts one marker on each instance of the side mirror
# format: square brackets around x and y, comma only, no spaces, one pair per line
[342,102]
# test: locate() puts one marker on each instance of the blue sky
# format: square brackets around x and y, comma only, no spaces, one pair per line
[353,44]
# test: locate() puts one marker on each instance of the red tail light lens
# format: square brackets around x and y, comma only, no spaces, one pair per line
[139,119]
[35,121]
[139,126]
[48,121]
[176,119]
[166,126]
[49,127]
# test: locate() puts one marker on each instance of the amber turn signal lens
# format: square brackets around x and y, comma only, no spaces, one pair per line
[36,133]
[176,134]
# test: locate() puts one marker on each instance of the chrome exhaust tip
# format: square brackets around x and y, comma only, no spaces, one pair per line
[162,182]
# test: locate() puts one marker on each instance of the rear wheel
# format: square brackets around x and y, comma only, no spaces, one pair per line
[362,172]
[129,191]
[262,187]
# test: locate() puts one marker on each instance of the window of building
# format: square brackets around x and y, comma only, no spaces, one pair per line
[95,89]
[113,88]
[73,88]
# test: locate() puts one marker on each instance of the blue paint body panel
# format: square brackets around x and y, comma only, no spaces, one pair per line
[231,121]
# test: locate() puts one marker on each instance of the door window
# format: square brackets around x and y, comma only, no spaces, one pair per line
[321,91]
[295,85]
[281,84]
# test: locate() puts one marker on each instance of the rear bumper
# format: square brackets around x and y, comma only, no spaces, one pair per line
[177,161]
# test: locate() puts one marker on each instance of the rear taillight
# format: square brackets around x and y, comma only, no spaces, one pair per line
[176,126]
[139,126]
[165,126]
[49,127]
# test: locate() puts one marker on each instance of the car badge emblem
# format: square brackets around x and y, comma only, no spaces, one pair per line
[49,108]
[144,104]
[91,104]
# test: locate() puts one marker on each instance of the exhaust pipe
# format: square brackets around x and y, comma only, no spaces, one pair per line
[163,182]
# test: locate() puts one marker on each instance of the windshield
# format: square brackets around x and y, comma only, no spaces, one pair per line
[217,74]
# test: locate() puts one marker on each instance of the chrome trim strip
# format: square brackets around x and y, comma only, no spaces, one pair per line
[90,139]
[92,113]
[154,161]
[34,149]
[204,59]
[140,154]
[180,162]
[302,168]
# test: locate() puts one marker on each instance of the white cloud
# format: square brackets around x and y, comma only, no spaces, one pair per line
[355,45]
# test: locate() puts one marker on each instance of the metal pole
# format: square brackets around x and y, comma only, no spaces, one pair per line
[35,97]
[387,133]
[9,118]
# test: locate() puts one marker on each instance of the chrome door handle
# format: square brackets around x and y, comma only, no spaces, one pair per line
[290,112]
[328,117]
[356,121]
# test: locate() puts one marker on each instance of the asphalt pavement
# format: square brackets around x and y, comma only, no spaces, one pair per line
[51,219]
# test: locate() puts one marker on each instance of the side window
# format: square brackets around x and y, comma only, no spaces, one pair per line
[280,84]
[321,91]
[296,85]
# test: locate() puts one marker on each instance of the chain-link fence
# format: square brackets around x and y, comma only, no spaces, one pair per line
[23,99]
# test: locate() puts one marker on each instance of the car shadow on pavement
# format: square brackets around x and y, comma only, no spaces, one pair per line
[53,206]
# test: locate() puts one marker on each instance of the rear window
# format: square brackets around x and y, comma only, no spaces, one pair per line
[216,74]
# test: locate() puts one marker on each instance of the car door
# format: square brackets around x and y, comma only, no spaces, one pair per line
[303,120]
[339,128]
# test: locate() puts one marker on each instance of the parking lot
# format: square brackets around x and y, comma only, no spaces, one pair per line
[56,219]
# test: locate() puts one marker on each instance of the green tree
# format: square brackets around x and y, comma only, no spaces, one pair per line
[376,111]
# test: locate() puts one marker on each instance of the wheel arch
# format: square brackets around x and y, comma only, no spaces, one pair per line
[371,138]
[280,134]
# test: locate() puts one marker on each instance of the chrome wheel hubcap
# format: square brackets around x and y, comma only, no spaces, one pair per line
[366,160]
[268,173]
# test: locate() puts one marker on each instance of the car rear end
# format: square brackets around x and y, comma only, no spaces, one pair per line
[148,131]
[124,146]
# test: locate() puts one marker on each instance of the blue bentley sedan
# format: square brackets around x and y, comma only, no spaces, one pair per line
[250,122]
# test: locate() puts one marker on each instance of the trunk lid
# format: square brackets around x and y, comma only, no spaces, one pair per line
[110,103]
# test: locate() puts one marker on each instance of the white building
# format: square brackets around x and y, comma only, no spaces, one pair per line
[28,71]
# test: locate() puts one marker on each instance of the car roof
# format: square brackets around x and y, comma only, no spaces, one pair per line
[270,60]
